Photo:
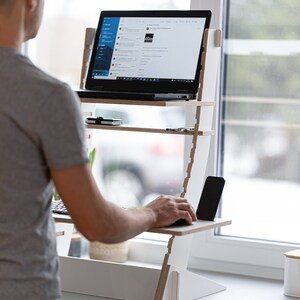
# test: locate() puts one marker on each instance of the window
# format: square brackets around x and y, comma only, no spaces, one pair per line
[258,140]
[260,121]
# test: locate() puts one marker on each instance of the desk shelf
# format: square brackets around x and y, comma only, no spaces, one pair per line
[175,103]
[181,230]
[149,130]
[198,226]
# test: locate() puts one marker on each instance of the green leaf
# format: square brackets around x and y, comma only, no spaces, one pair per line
[92,157]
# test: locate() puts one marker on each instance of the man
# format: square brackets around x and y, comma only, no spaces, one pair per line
[42,140]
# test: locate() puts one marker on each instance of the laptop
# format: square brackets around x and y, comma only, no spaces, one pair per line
[147,55]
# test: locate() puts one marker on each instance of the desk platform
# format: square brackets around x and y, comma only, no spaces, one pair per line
[171,281]
[180,230]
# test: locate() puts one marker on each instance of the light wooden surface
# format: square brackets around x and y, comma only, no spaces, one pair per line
[293,254]
[172,230]
[87,51]
[60,233]
[170,103]
[59,218]
[189,229]
[165,270]
[149,130]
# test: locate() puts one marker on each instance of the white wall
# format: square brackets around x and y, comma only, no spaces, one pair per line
[216,7]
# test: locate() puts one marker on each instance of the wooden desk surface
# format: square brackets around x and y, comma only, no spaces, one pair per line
[198,226]
[172,230]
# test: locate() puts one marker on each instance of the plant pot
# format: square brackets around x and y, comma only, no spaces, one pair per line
[109,252]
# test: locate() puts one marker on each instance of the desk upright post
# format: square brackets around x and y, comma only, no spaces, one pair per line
[175,279]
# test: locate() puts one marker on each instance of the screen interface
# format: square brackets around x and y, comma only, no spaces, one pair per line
[148,49]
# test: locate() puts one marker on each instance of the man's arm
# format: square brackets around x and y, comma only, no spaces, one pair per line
[101,220]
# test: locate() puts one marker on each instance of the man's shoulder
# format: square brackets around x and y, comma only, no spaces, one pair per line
[28,76]
[25,85]
[39,79]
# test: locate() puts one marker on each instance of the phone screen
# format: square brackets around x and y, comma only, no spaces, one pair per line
[210,198]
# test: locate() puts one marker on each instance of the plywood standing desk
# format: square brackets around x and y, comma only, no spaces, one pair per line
[171,280]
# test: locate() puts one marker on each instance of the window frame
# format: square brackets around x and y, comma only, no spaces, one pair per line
[214,252]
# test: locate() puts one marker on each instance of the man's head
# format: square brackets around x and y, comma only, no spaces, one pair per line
[20,18]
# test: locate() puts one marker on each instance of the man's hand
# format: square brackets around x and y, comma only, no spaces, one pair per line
[101,220]
[169,209]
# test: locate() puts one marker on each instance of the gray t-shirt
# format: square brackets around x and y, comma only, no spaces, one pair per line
[40,128]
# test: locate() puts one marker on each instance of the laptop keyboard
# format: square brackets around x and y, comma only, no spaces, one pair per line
[58,207]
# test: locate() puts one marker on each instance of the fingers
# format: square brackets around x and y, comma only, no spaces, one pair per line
[169,209]
[186,208]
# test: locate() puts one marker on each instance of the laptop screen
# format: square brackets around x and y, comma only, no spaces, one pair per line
[151,51]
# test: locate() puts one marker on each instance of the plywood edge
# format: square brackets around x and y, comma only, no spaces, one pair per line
[151,130]
[198,226]
[293,254]
[170,103]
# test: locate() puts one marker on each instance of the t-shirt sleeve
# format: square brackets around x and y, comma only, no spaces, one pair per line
[60,129]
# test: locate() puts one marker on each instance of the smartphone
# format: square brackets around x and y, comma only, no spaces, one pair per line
[210,198]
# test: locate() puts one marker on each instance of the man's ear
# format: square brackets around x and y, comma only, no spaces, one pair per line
[31,4]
